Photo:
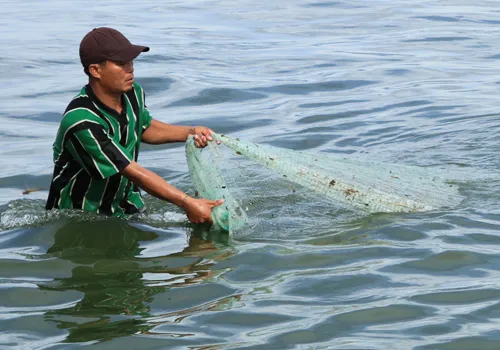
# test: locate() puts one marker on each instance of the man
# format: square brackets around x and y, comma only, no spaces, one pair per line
[97,144]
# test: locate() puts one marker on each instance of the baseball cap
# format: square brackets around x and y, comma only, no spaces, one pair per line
[105,43]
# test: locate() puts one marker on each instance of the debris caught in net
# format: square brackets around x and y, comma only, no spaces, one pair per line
[364,186]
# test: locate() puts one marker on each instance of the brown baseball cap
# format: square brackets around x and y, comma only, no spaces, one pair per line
[104,43]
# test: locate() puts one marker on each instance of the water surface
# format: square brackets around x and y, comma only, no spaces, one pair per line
[394,81]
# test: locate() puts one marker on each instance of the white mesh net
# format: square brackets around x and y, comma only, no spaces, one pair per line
[294,179]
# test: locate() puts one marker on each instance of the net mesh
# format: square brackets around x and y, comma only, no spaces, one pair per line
[318,183]
[207,176]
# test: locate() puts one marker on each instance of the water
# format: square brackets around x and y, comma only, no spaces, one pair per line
[395,81]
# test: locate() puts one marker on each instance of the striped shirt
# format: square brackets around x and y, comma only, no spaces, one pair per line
[93,144]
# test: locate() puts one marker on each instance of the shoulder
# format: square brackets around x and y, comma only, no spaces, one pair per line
[80,103]
[136,96]
[80,109]
[138,88]
[138,92]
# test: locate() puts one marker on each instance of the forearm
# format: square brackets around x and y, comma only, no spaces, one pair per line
[154,184]
[197,210]
[159,133]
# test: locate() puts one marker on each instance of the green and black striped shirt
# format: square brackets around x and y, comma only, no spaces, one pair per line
[93,144]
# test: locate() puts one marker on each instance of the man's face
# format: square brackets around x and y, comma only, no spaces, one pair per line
[115,77]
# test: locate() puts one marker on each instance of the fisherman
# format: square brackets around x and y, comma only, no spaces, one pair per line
[97,144]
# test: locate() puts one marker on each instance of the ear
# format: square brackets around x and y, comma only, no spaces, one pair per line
[95,71]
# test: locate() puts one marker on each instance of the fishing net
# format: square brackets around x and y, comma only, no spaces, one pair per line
[206,174]
[322,184]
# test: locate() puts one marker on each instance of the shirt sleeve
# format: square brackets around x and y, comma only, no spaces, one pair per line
[97,152]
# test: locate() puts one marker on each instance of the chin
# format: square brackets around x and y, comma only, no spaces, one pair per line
[128,87]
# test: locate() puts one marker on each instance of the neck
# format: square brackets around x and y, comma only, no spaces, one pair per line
[111,99]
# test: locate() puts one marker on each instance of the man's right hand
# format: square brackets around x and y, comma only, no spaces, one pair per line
[199,210]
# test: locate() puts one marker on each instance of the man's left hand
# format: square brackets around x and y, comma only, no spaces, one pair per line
[201,135]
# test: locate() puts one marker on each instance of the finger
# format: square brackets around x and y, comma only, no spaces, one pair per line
[203,141]
[197,141]
[217,202]
[209,134]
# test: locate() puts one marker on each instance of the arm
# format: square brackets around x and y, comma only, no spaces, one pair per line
[159,133]
[197,210]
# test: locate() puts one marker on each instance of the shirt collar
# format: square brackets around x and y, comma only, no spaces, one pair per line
[101,105]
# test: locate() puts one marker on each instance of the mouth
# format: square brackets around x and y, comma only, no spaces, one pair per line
[131,79]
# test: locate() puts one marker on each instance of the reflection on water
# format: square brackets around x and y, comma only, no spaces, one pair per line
[117,284]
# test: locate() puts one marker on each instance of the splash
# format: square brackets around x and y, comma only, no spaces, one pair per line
[31,213]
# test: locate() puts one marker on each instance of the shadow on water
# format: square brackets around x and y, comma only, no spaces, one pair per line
[113,277]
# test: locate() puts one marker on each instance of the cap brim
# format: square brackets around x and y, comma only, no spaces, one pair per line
[129,54]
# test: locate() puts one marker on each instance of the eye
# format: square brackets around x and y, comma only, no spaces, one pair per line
[124,64]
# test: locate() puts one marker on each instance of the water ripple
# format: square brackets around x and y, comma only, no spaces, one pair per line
[384,81]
